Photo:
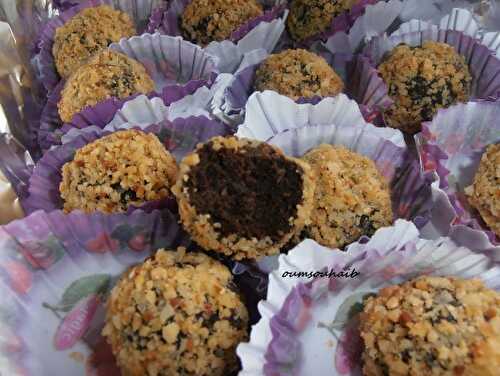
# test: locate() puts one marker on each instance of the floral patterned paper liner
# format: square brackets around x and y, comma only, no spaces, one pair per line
[179,137]
[46,67]
[452,145]
[177,67]
[307,321]
[56,270]
[362,83]
[484,66]
[411,192]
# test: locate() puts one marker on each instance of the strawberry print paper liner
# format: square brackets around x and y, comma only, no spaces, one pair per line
[56,270]
[138,10]
[177,67]
[179,137]
[452,145]
[309,326]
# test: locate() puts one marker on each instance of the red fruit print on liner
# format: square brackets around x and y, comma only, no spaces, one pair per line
[349,349]
[137,243]
[9,341]
[76,323]
[20,277]
[102,361]
[102,244]
[40,255]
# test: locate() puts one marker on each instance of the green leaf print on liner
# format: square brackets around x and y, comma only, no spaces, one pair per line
[83,287]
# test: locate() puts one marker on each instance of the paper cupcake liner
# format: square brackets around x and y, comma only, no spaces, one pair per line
[483,65]
[179,137]
[176,66]
[341,23]
[138,10]
[262,32]
[56,270]
[452,145]
[377,19]
[458,19]
[268,113]
[105,112]
[168,23]
[305,321]
[411,192]
[362,84]
[15,164]
[141,112]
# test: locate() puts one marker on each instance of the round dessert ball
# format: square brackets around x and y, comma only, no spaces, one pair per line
[205,21]
[421,80]
[243,198]
[310,17]
[351,199]
[122,169]
[108,74]
[88,32]
[432,326]
[176,314]
[296,74]
[484,193]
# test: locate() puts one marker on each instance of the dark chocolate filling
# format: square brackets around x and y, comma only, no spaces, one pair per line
[251,192]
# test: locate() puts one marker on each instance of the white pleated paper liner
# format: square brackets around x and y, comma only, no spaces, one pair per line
[177,67]
[377,19]
[262,32]
[56,270]
[179,137]
[361,80]
[483,65]
[268,113]
[458,19]
[452,145]
[411,191]
[309,326]
[138,10]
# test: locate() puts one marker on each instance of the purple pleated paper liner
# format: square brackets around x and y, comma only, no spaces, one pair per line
[342,22]
[411,192]
[483,65]
[361,80]
[52,129]
[48,74]
[285,351]
[179,137]
[167,22]
[15,164]
[452,145]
